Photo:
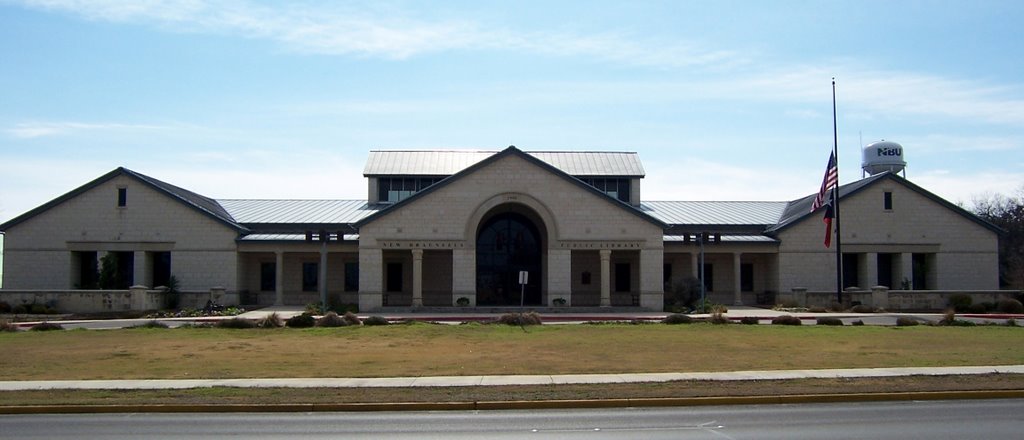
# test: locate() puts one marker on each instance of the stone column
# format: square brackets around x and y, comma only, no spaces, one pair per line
[464,275]
[322,281]
[417,277]
[371,263]
[141,273]
[737,276]
[279,278]
[870,270]
[907,268]
[559,276]
[652,277]
[880,297]
[606,277]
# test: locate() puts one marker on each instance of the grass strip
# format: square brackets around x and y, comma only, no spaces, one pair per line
[679,389]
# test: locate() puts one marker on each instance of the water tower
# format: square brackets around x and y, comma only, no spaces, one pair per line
[882,156]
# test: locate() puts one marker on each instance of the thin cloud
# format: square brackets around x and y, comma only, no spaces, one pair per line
[30,130]
[336,31]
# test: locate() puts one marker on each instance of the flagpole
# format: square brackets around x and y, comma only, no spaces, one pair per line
[835,200]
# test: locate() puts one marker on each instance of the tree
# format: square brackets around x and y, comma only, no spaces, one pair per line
[1007,212]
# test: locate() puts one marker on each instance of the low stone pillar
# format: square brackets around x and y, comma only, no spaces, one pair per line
[137,295]
[217,294]
[880,297]
[800,296]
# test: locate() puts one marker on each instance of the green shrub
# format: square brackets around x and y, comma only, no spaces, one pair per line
[4,307]
[857,322]
[314,309]
[331,319]
[862,308]
[1010,306]
[46,326]
[462,301]
[829,320]
[718,318]
[7,326]
[376,320]
[977,308]
[351,319]
[786,320]
[904,321]
[788,304]
[1011,322]
[272,320]
[677,318]
[19,309]
[235,323]
[528,318]
[960,302]
[305,320]
[836,307]
[749,320]
[817,309]
[949,319]
[37,309]
[151,324]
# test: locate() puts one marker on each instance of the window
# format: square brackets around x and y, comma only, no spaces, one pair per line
[351,277]
[122,197]
[709,277]
[617,188]
[394,277]
[310,277]
[746,277]
[161,268]
[851,270]
[396,189]
[88,270]
[666,277]
[622,277]
[268,277]
[887,200]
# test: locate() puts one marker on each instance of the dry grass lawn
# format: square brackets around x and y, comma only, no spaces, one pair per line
[474,349]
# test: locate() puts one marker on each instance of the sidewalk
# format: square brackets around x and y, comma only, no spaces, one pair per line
[462,381]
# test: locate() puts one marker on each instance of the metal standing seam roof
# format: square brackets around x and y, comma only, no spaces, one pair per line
[727,239]
[715,213]
[249,211]
[289,237]
[449,162]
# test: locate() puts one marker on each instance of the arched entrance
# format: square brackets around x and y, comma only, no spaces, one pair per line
[508,242]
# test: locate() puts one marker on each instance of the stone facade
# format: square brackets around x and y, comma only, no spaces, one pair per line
[593,250]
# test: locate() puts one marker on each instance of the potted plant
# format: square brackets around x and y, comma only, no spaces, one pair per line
[462,301]
[558,302]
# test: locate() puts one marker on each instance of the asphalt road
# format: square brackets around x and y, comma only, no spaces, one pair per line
[932,420]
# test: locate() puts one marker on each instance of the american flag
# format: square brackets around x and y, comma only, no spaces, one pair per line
[830,181]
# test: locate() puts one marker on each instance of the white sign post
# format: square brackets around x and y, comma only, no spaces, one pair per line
[523,277]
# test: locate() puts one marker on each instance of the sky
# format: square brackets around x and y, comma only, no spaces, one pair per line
[723,100]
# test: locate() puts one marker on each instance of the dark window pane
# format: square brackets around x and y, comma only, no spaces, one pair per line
[351,277]
[887,200]
[394,277]
[309,277]
[161,268]
[746,277]
[268,277]
[622,277]
[122,197]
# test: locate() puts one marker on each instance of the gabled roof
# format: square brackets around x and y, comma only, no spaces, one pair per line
[798,209]
[203,204]
[761,214]
[290,215]
[512,150]
[449,162]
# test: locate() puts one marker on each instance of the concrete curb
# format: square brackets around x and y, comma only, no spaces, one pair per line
[518,404]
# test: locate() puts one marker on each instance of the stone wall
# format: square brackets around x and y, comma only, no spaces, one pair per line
[891,300]
[137,299]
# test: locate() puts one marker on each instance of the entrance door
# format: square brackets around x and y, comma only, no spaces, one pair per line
[508,243]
